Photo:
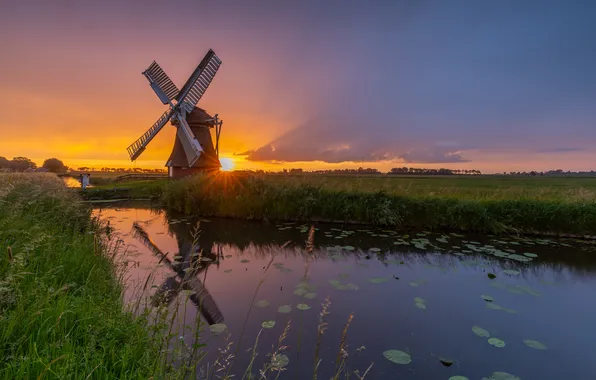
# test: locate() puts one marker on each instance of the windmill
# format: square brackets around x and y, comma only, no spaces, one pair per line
[193,148]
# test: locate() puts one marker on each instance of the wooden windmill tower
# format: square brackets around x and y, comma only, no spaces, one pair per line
[193,150]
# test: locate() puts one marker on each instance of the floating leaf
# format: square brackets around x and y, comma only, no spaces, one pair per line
[310,295]
[279,361]
[229,256]
[521,258]
[420,305]
[446,362]
[491,275]
[284,309]
[397,356]
[300,291]
[458,378]
[480,331]
[352,287]
[218,328]
[349,248]
[511,272]
[375,249]
[268,324]
[262,303]
[487,298]
[227,271]
[535,344]
[532,255]
[244,261]
[177,257]
[501,376]
[496,342]
[378,280]
[419,300]
[302,306]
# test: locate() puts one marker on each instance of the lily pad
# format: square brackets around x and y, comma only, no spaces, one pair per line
[227,271]
[414,284]
[375,249]
[302,306]
[262,303]
[491,275]
[487,298]
[218,328]
[300,291]
[244,261]
[310,295]
[378,280]
[532,255]
[284,309]
[279,361]
[419,300]
[501,376]
[511,272]
[496,342]
[446,362]
[480,332]
[229,256]
[397,356]
[349,248]
[420,305]
[268,324]
[535,344]
[458,378]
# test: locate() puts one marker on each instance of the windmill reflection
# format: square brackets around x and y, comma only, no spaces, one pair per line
[185,274]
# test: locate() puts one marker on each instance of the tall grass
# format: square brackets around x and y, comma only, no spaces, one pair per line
[60,306]
[272,198]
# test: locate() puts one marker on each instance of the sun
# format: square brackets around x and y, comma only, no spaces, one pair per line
[227,164]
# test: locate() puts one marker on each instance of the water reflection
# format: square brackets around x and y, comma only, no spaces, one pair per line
[545,298]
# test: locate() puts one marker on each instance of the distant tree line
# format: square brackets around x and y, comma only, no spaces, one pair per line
[24,164]
[422,171]
[552,173]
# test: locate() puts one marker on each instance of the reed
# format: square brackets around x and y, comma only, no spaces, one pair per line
[504,209]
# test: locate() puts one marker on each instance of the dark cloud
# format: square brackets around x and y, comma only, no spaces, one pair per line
[447,78]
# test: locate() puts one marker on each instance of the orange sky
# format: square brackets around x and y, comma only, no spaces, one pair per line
[71,87]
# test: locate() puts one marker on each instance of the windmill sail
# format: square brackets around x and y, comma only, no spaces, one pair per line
[199,81]
[192,148]
[163,86]
[201,296]
[137,147]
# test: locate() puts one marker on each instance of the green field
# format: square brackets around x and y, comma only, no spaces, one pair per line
[571,189]
[488,204]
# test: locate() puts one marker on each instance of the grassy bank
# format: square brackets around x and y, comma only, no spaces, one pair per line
[60,301]
[487,205]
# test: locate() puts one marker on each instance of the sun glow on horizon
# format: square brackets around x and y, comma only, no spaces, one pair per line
[227,164]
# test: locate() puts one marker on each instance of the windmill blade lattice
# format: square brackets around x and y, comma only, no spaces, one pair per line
[158,78]
[136,148]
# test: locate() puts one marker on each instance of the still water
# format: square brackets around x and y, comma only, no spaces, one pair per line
[429,296]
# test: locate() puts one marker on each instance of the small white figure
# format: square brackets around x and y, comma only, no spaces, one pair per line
[84,181]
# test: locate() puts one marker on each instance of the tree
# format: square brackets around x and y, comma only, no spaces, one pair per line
[20,164]
[54,165]
[4,163]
